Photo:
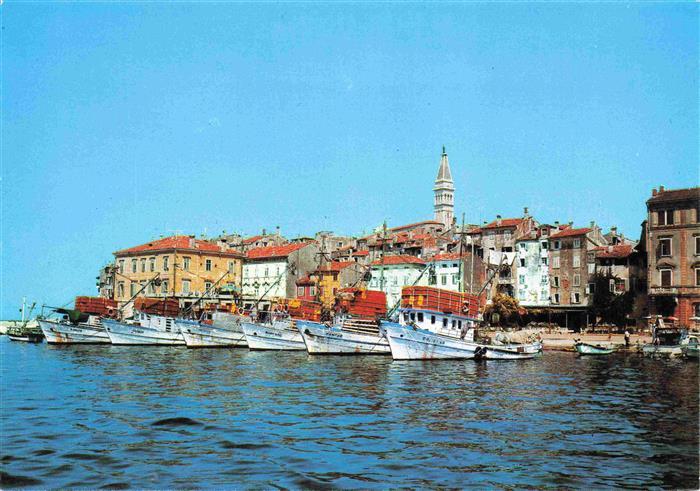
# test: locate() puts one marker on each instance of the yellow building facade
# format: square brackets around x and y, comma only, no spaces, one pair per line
[181,266]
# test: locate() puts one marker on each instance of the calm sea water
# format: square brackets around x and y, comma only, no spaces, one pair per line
[132,417]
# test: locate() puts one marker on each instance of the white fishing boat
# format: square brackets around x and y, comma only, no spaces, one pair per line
[64,331]
[144,329]
[279,334]
[510,351]
[346,336]
[592,349]
[667,342]
[430,335]
[224,331]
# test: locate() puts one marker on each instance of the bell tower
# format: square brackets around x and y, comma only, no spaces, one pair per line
[444,192]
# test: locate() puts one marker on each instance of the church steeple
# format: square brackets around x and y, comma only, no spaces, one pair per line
[444,192]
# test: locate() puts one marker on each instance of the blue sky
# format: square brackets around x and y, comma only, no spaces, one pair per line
[122,122]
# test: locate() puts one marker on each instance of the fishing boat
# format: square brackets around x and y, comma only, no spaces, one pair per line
[222,330]
[592,349]
[666,341]
[691,350]
[346,336]
[278,334]
[24,331]
[510,351]
[144,329]
[74,328]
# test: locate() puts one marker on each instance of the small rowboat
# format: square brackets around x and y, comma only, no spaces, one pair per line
[592,349]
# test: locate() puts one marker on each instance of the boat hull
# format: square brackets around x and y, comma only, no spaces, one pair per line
[272,337]
[692,352]
[325,340]
[130,334]
[62,333]
[589,349]
[661,351]
[197,335]
[511,352]
[408,343]
[26,338]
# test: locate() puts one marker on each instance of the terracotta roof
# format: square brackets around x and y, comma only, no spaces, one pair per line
[570,232]
[504,222]
[392,260]
[411,225]
[252,239]
[336,266]
[179,242]
[447,256]
[676,195]
[616,251]
[275,251]
[360,253]
[305,280]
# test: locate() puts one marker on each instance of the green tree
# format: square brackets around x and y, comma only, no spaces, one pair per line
[609,306]
[503,309]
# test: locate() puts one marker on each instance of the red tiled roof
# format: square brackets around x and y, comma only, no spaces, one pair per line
[360,253]
[392,260]
[180,242]
[446,256]
[305,280]
[411,225]
[570,232]
[252,239]
[675,195]
[504,222]
[616,251]
[275,251]
[336,266]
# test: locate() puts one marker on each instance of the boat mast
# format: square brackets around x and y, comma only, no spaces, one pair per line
[461,243]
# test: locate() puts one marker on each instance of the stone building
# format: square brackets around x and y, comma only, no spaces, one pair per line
[185,268]
[391,273]
[271,272]
[673,254]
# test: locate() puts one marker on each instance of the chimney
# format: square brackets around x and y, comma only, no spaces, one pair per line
[592,223]
[263,231]
[498,219]
[661,189]
[653,192]
[526,212]
[278,230]
[556,223]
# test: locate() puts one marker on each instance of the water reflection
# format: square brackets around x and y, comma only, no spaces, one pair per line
[125,417]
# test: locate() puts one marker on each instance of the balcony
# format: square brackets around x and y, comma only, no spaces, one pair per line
[663,290]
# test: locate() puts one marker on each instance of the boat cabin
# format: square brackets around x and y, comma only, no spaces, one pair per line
[438,322]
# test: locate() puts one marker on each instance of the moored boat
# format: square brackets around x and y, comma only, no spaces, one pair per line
[510,351]
[667,342]
[691,350]
[280,335]
[91,331]
[592,349]
[144,329]
[224,331]
[25,331]
[345,337]
[410,342]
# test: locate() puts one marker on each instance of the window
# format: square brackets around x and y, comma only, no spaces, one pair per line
[522,245]
[544,261]
[577,280]
[132,288]
[166,263]
[557,244]
[666,276]
[134,265]
[120,289]
[665,247]
[577,243]
[455,279]
[143,265]
[420,316]
[611,285]
[432,319]
[577,261]
[164,287]
[556,298]
[521,279]
[591,268]
[444,279]
[121,261]
[555,262]
[185,286]
[522,262]
[231,266]
[575,297]
[152,264]
[591,288]
[151,288]
[186,263]
[312,290]
[556,281]
[544,279]
[697,276]
[207,265]
[696,310]
[544,245]
[444,322]
[267,271]
[697,244]
[207,286]
[300,291]
[665,217]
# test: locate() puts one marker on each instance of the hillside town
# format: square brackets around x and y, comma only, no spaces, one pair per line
[551,270]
